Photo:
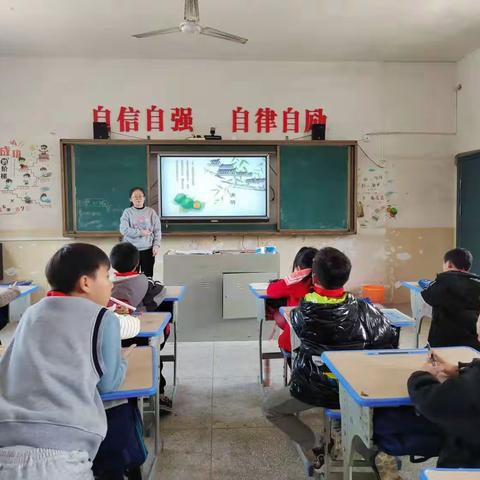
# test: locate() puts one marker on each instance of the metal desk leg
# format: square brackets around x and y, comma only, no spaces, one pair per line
[175,319]
[156,412]
[260,318]
[357,426]
[419,311]
[148,470]
[260,351]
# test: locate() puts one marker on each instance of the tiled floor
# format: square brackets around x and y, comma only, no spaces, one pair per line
[217,430]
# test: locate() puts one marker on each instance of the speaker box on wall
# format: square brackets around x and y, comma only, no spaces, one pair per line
[100,130]
[318,131]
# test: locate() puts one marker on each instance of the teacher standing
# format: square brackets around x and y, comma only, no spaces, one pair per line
[141,227]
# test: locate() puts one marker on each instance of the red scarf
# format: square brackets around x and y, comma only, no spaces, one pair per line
[335,293]
[56,293]
[297,276]
[125,274]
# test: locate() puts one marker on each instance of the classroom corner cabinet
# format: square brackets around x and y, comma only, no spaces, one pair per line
[237,296]
[312,185]
[202,311]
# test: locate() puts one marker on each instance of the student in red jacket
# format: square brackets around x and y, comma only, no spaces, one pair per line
[293,287]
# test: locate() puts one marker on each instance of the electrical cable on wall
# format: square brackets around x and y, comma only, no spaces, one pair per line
[370,158]
[130,136]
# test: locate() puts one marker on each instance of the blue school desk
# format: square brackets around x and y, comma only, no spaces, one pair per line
[260,292]
[174,295]
[141,380]
[21,303]
[420,309]
[153,324]
[450,474]
[376,378]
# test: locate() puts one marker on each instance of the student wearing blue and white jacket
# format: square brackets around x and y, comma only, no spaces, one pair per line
[65,353]
[141,227]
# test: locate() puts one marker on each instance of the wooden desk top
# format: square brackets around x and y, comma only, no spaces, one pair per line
[259,289]
[450,474]
[153,324]
[175,293]
[286,311]
[412,286]
[377,378]
[141,379]
[24,289]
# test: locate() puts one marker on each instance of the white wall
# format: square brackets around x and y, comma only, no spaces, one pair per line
[43,100]
[468,75]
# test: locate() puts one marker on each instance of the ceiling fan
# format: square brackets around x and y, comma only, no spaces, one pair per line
[191,25]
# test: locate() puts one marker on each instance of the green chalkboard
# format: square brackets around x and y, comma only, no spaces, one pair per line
[311,185]
[314,188]
[103,175]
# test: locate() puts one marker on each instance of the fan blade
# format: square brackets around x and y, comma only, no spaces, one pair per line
[192,12]
[213,32]
[162,31]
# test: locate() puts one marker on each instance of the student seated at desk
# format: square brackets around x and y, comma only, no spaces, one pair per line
[327,319]
[448,395]
[132,287]
[293,287]
[455,298]
[138,291]
[66,351]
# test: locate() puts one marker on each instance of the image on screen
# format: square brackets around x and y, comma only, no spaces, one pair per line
[213,186]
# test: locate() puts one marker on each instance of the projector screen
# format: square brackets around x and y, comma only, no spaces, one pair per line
[213,187]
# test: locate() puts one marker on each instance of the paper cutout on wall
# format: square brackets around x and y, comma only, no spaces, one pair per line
[25,178]
[371,198]
[377,198]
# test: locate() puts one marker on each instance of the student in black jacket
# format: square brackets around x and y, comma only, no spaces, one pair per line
[327,319]
[455,298]
[449,396]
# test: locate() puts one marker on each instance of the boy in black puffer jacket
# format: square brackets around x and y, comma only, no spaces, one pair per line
[455,300]
[327,319]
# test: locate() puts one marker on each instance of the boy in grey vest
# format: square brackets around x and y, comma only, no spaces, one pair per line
[66,351]
[140,292]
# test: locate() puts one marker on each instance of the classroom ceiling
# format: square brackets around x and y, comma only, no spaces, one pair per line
[301,30]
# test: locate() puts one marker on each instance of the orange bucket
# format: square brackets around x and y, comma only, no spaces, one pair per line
[376,293]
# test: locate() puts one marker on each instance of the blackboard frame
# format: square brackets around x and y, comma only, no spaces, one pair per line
[66,146]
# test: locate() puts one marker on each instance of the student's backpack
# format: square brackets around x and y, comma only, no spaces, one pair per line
[123,447]
[155,294]
[401,431]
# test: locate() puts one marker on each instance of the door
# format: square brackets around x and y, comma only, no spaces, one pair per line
[468,206]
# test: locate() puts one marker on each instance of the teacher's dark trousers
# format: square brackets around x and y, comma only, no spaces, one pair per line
[147,260]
